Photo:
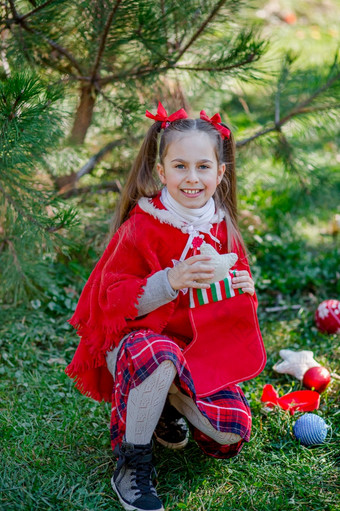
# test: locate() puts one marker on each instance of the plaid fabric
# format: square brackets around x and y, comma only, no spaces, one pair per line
[140,354]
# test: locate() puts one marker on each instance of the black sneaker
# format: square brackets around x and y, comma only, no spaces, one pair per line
[132,478]
[172,430]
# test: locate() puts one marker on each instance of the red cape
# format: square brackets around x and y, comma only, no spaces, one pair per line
[107,310]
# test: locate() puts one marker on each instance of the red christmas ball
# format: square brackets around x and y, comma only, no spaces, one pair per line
[317,378]
[327,316]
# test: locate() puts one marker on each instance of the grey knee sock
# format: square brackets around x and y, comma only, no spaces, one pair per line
[187,407]
[146,402]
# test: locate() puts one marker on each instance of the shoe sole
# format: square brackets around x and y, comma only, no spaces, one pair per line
[169,445]
[127,506]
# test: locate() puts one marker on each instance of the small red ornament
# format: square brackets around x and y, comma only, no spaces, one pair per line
[196,243]
[327,316]
[317,378]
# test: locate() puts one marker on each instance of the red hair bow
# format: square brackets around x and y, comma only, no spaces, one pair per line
[164,117]
[215,121]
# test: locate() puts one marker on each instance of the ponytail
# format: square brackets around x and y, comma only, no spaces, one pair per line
[226,195]
[141,181]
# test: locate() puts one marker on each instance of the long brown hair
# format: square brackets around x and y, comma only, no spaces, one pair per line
[142,182]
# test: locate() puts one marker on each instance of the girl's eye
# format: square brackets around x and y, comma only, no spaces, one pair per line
[179,166]
[204,167]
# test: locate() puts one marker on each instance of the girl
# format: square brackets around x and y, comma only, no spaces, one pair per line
[162,329]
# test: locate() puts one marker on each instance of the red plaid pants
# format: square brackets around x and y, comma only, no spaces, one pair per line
[140,354]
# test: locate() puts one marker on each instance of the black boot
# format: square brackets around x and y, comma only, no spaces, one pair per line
[172,430]
[132,478]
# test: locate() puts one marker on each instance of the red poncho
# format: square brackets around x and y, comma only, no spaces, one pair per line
[106,311]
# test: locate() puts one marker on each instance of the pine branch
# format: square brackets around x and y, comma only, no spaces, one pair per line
[137,73]
[60,49]
[277,126]
[19,19]
[152,49]
[29,14]
[103,40]
[19,210]
[12,113]
[67,70]
[277,108]
[200,29]
[55,228]
[66,184]
[29,217]
[287,157]
[308,101]
[165,28]
[172,64]
[16,260]
[113,186]
[301,109]
[13,9]
[249,59]
[134,74]
[23,17]
[96,158]
[16,18]
[241,143]
[285,150]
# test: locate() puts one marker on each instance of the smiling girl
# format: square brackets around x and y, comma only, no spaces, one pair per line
[162,335]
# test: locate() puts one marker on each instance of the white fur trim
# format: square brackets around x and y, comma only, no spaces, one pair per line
[165,217]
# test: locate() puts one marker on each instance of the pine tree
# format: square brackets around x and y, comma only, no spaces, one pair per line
[109,50]
[32,218]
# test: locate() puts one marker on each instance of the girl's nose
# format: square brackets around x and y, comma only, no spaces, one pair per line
[192,176]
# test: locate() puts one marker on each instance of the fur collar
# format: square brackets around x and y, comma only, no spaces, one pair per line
[165,217]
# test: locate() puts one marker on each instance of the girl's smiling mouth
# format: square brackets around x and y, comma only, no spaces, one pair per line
[190,191]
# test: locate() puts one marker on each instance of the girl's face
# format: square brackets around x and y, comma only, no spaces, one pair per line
[191,171]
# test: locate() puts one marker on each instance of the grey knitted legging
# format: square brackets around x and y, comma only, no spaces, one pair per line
[146,402]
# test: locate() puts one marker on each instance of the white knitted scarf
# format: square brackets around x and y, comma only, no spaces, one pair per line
[195,220]
[200,218]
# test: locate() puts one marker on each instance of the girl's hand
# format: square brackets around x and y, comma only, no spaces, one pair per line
[243,281]
[186,273]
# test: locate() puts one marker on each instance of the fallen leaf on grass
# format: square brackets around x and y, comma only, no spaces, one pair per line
[56,361]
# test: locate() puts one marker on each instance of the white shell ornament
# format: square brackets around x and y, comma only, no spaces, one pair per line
[295,363]
[221,262]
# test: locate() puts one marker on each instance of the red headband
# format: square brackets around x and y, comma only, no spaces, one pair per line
[164,117]
[215,121]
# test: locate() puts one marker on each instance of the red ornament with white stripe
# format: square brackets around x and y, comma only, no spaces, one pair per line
[327,316]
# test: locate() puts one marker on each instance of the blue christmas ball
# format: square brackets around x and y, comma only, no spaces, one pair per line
[310,429]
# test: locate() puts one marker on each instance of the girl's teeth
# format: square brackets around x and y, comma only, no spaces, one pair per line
[191,191]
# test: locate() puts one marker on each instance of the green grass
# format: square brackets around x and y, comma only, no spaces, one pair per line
[55,442]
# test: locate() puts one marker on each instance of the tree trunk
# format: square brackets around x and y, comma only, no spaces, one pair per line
[83,118]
